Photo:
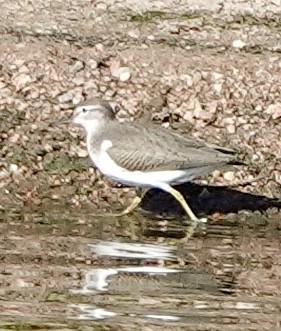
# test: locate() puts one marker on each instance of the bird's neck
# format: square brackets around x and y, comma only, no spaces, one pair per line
[94,127]
[94,131]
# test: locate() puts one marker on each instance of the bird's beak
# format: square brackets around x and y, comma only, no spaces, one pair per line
[62,122]
[68,121]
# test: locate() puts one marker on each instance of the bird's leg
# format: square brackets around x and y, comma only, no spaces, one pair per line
[179,197]
[134,204]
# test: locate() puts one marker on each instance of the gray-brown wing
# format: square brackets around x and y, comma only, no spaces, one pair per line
[155,148]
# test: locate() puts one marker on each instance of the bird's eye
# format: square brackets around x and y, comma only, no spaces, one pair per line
[84,110]
[117,109]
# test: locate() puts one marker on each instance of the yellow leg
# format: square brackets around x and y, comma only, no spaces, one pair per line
[176,194]
[179,197]
[132,206]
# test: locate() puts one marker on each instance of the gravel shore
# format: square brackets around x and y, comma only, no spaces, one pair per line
[210,70]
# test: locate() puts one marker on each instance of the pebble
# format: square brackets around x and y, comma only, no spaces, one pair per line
[122,73]
[218,87]
[231,129]
[93,64]
[13,167]
[217,76]
[238,44]
[274,110]
[101,6]
[216,173]
[197,77]
[4,174]
[77,99]
[229,176]
[188,116]
[82,152]
[48,148]
[78,81]
[196,106]
[198,111]
[20,81]
[66,97]
[14,138]
[20,283]
[134,34]
[187,79]
[77,66]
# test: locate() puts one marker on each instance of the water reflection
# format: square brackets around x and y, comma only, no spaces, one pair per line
[88,312]
[132,250]
[146,289]
[226,279]
[98,280]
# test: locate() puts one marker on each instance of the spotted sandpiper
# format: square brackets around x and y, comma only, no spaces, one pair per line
[146,155]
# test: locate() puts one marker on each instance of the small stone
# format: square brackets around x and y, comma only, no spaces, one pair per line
[13,167]
[216,173]
[77,66]
[77,99]
[151,37]
[197,77]
[213,106]
[229,176]
[134,34]
[217,75]
[4,174]
[93,64]
[188,80]
[82,152]
[21,81]
[66,97]
[48,148]
[78,81]
[231,129]
[188,116]
[199,113]
[100,47]
[255,158]
[14,138]
[196,106]
[110,93]
[19,282]
[2,85]
[274,110]
[123,73]
[101,6]
[238,43]
[228,120]
[218,88]
[24,69]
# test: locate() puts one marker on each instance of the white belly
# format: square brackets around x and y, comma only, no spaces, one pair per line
[109,168]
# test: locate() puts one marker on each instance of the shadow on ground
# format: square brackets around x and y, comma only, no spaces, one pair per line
[206,200]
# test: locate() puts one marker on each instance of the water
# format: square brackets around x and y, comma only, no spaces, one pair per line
[77,272]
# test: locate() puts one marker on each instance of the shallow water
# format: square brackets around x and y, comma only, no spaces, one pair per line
[79,272]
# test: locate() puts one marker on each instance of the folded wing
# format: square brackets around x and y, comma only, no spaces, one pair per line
[156,149]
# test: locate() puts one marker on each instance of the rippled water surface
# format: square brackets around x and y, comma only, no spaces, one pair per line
[77,272]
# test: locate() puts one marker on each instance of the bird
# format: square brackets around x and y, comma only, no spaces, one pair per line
[146,155]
